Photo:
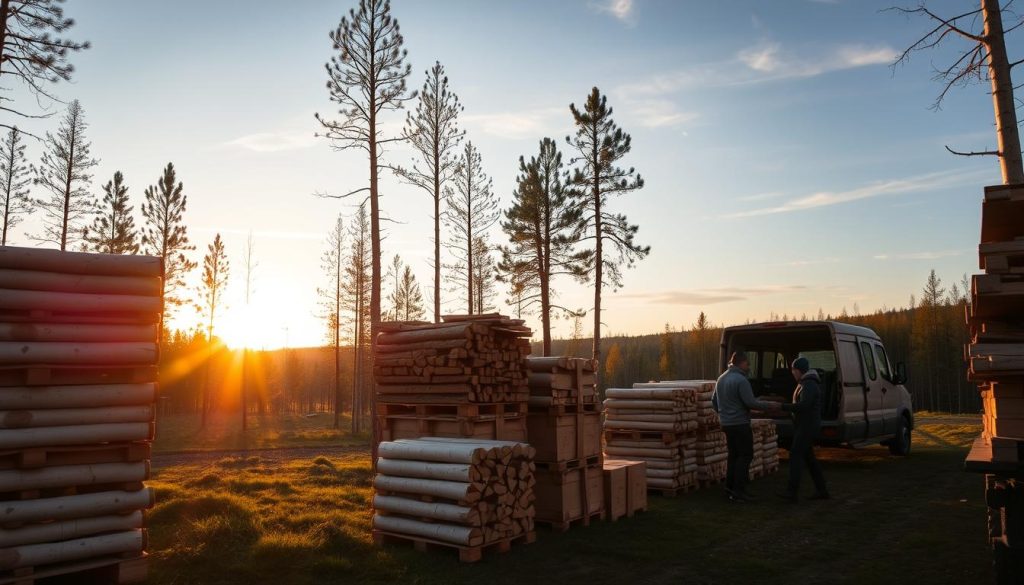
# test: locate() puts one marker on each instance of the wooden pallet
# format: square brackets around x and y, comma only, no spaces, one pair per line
[666,437]
[55,375]
[562,466]
[467,554]
[36,457]
[560,526]
[119,570]
[564,409]
[474,410]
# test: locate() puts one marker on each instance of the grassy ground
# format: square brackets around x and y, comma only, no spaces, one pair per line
[247,520]
[223,432]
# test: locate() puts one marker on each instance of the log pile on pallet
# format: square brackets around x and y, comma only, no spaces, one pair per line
[564,426]
[461,378]
[766,447]
[466,494]
[996,359]
[656,425]
[78,356]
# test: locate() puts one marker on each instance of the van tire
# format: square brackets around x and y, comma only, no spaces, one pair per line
[900,444]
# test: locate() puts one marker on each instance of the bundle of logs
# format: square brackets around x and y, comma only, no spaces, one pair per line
[463,493]
[712,456]
[564,426]
[467,358]
[78,355]
[766,447]
[657,426]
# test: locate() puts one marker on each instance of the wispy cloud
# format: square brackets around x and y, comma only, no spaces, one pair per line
[517,125]
[920,255]
[273,141]
[709,296]
[620,9]
[658,113]
[890,187]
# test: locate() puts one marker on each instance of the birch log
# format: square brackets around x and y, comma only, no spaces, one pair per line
[28,300]
[465,493]
[428,470]
[75,435]
[645,393]
[17,419]
[72,550]
[69,529]
[62,353]
[12,480]
[76,332]
[433,510]
[434,451]
[460,535]
[79,262]
[147,286]
[99,395]
[77,506]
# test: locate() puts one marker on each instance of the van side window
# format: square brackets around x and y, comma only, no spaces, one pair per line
[869,359]
[883,362]
[754,364]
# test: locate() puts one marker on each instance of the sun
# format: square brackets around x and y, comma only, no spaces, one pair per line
[242,328]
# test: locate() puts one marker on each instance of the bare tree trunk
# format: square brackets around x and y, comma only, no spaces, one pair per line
[437,232]
[5,8]
[598,255]
[1002,95]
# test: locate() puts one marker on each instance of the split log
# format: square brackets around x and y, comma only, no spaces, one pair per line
[72,550]
[100,395]
[75,435]
[461,332]
[78,302]
[79,262]
[17,419]
[82,333]
[137,353]
[68,529]
[13,480]
[432,510]
[464,493]
[459,535]
[78,506]
[146,286]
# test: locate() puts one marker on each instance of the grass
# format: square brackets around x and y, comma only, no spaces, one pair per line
[246,519]
[223,432]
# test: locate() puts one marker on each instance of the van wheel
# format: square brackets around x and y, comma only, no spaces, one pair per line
[900,444]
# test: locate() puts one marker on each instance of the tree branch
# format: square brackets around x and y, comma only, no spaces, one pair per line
[974,153]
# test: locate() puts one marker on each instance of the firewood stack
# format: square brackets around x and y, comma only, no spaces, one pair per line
[656,425]
[564,426]
[465,494]
[996,359]
[766,447]
[464,377]
[78,356]
[712,456]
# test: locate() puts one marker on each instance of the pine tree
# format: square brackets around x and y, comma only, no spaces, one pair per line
[15,179]
[211,294]
[542,226]
[613,364]
[410,297]
[165,236]
[600,144]
[357,288]
[432,130]
[394,276]
[331,301]
[472,209]
[667,357]
[113,232]
[32,49]
[64,172]
[484,275]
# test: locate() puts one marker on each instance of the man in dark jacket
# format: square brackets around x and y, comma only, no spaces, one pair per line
[806,409]
[733,400]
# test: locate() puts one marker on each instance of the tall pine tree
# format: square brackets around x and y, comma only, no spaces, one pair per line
[331,300]
[15,179]
[165,236]
[542,226]
[358,276]
[113,232]
[472,209]
[211,293]
[600,144]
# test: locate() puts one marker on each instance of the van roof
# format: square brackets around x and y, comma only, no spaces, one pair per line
[836,327]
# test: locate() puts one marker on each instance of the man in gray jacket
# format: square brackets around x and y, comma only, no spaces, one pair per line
[733,400]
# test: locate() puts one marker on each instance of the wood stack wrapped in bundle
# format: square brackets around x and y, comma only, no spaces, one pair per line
[464,377]
[712,456]
[465,494]
[564,426]
[78,356]
[656,425]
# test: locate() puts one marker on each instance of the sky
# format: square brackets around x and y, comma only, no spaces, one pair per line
[787,165]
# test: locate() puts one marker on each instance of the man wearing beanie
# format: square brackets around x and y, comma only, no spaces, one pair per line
[806,409]
[733,399]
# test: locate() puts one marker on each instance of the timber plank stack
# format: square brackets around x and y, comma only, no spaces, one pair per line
[78,357]
[656,425]
[464,377]
[996,362]
[465,494]
[564,426]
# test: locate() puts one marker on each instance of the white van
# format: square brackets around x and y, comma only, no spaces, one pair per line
[863,397]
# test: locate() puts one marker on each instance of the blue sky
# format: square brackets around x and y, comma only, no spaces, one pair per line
[788,167]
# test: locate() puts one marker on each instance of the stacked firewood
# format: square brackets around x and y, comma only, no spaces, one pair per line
[656,425]
[766,447]
[564,426]
[464,493]
[78,355]
[712,456]
[467,358]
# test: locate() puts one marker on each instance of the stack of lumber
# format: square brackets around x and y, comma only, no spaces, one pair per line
[564,426]
[766,447]
[712,456]
[463,378]
[996,362]
[465,494]
[625,488]
[656,425]
[78,356]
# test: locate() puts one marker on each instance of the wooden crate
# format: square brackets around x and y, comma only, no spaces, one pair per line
[555,437]
[615,485]
[569,495]
[636,484]
[496,428]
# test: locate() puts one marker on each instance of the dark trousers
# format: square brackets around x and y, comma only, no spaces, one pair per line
[801,454]
[740,439]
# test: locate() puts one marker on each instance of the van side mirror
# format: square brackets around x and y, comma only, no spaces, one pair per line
[901,374]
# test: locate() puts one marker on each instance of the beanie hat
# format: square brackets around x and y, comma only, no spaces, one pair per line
[801,364]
